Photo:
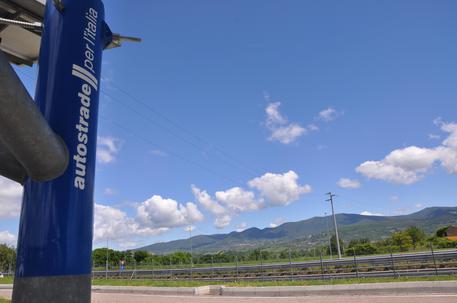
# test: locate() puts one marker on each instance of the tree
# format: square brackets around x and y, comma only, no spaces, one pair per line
[180,258]
[440,233]
[99,256]
[355,242]
[362,249]
[7,258]
[140,256]
[334,247]
[417,235]
[402,240]
[254,255]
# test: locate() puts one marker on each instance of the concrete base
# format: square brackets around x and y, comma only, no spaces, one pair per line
[55,289]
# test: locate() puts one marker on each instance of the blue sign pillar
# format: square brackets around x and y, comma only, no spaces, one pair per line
[55,233]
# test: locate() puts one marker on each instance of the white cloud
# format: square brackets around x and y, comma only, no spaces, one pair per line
[368,213]
[113,224]
[287,134]
[277,222]
[7,238]
[279,126]
[448,158]
[273,190]
[434,137]
[419,205]
[410,164]
[451,140]
[402,166]
[238,200]
[153,217]
[208,203]
[107,149]
[10,198]
[158,212]
[412,158]
[348,183]
[241,227]
[274,116]
[448,150]
[329,114]
[279,189]
[222,221]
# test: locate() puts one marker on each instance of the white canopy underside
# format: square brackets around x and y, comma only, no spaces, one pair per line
[21,45]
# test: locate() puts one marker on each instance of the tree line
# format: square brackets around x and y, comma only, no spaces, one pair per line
[412,238]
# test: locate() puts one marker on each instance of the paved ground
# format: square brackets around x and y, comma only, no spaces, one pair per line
[128,298]
[131,298]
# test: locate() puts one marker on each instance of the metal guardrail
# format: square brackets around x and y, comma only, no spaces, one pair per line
[394,265]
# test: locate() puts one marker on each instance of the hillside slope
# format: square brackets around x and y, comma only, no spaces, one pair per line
[312,231]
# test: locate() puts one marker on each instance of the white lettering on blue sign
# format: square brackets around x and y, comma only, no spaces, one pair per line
[87,74]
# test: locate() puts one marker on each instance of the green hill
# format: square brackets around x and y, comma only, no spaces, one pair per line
[312,231]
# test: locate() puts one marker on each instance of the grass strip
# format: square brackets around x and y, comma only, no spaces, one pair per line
[179,283]
[187,283]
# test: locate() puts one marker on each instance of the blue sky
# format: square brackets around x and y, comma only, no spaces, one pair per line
[263,107]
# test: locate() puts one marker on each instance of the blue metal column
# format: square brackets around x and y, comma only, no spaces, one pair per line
[55,233]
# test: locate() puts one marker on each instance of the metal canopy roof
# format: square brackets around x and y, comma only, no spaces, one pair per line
[21,45]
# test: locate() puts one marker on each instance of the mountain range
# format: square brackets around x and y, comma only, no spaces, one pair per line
[313,231]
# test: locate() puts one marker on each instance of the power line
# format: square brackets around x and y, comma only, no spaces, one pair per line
[187,131]
[148,141]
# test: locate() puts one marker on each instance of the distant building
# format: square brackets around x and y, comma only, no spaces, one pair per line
[451,233]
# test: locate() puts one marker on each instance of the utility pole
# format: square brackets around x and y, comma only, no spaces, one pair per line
[191,252]
[328,236]
[334,223]
[107,259]
[191,249]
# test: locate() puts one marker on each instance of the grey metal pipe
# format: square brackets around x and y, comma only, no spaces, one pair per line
[25,132]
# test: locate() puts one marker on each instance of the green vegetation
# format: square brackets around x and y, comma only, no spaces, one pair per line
[409,239]
[339,281]
[167,283]
[155,283]
[6,280]
[266,283]
[441,231]
[7,258]
[4,301]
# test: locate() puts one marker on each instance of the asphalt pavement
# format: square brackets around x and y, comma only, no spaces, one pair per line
[129,298]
